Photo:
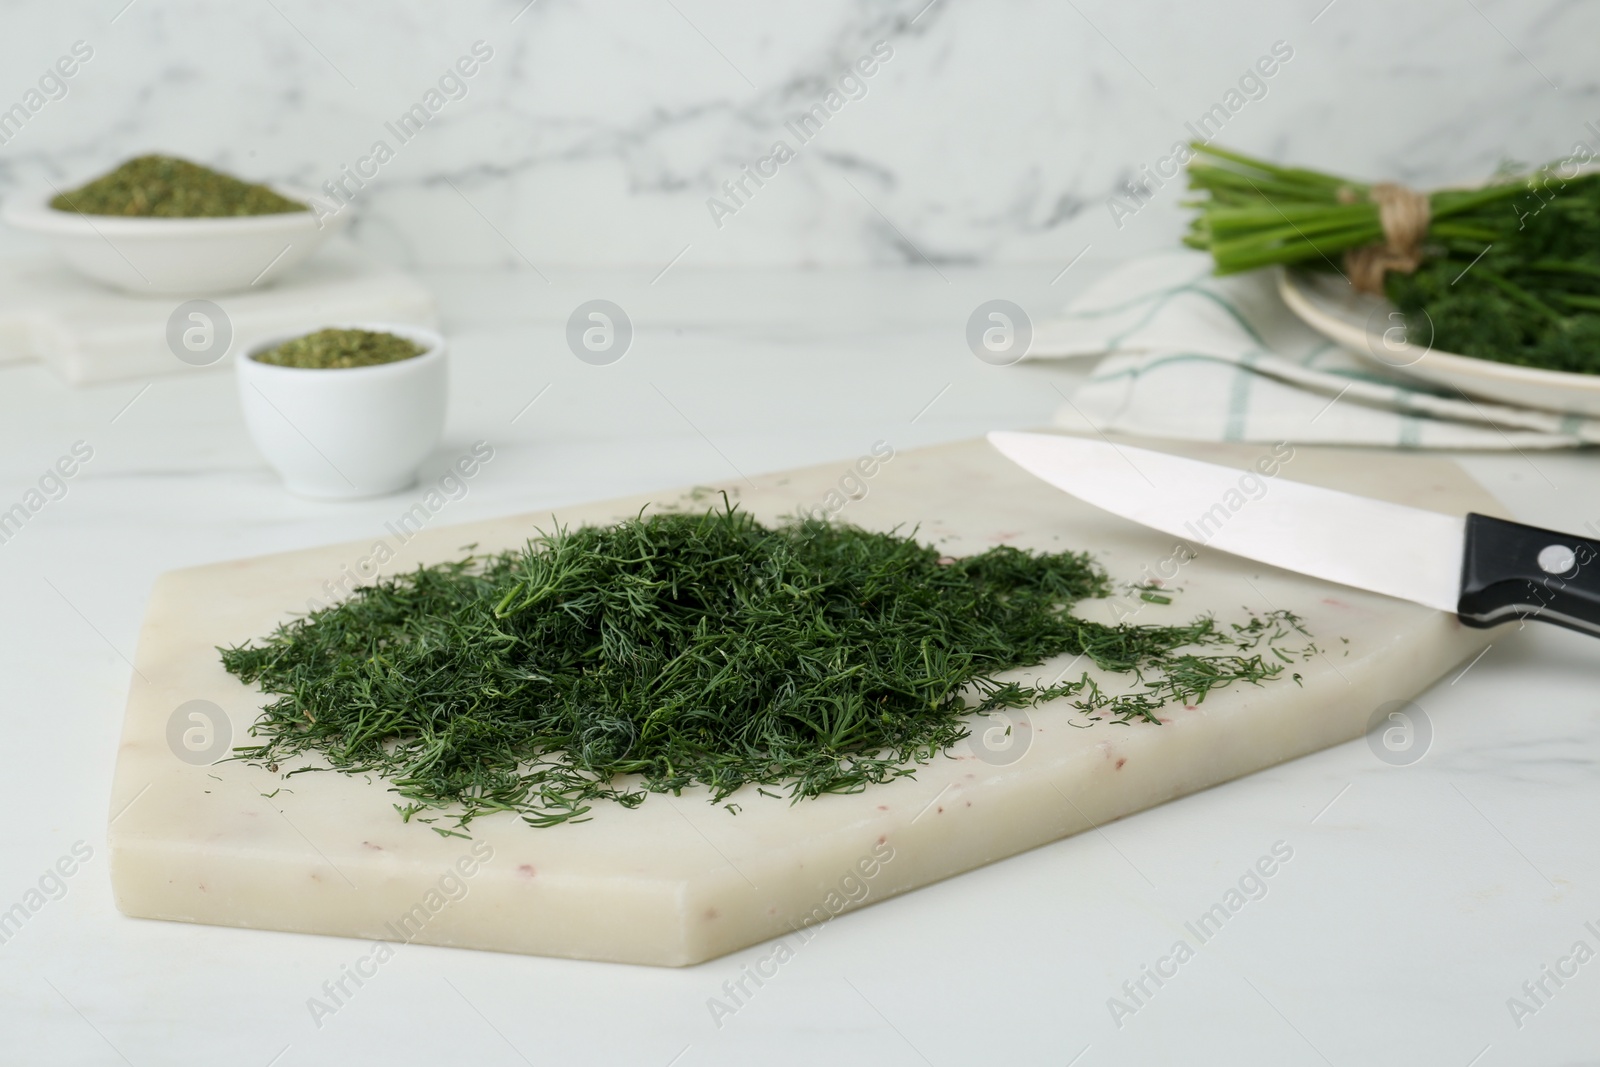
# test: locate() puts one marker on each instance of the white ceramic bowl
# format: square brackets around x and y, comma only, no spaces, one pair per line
[1372,327]
[346,432]
[177,257]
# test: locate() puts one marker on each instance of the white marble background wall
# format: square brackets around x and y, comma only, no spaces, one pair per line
[996,132]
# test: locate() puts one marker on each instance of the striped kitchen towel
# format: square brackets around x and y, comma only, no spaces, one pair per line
[1183,353]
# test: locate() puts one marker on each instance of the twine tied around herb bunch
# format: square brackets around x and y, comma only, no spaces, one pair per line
[1404,215]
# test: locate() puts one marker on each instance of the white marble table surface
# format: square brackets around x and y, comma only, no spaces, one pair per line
[1419,900]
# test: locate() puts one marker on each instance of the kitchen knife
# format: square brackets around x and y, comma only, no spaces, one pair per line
[1485,570]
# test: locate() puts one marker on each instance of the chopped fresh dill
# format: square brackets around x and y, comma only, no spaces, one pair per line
[1152,592]
[684,649]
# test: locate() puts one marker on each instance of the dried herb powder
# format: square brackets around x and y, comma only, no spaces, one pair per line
[171,188]
[606,663]
[335,349]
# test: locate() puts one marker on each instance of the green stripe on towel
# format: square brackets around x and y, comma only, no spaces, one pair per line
[1239,399]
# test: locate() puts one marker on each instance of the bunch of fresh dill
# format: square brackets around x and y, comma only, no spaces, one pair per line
[1524,290]
[1510,271]
[703,649]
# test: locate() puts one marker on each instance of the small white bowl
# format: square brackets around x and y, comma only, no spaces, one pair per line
[345,433]
[177,257]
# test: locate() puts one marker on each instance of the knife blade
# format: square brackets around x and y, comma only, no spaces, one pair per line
[1483,569]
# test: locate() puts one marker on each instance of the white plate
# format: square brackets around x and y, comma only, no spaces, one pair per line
[1372,327]
[192,257]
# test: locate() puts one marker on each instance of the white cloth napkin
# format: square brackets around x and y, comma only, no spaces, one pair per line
[1186,354]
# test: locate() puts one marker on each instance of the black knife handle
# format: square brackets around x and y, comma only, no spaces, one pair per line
[1511,571]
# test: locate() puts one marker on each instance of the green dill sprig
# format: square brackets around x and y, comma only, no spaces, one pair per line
[678,650]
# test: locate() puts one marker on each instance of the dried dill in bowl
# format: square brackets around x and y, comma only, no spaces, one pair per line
[340,348]
[605,663]
[157,186]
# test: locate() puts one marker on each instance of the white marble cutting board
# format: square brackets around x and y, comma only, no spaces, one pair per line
[678,880]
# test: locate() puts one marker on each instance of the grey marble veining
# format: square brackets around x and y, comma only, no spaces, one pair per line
[604,133]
